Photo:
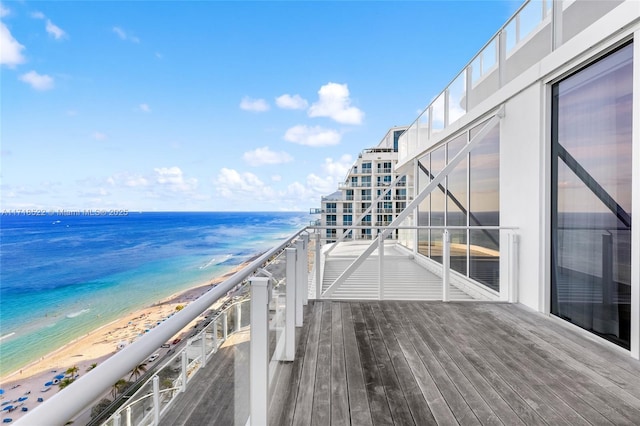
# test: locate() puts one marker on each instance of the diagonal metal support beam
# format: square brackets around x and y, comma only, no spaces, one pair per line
[366,212]
[416,202]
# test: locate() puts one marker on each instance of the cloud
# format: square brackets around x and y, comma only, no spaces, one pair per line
[124,36]
[130,180]
[231,184]
[11,52]
[255,105]
[99,136]
[334,102]
[312,136]
[287,101]
[260,156]
[37,15]
[54,30]
[4,11]
[144,108]
[173,179]
[37,81]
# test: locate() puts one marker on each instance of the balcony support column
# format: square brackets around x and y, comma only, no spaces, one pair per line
[290,315]
[380,266]
[299,283]
[156,400]
[305,268]
[184,371]
[514,245]
[259,351]
[446,250]
[318,267]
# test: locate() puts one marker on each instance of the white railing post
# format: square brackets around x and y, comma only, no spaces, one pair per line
[290,314]
[156,400]
[215,335]
[514,246]
[236,326]
[445,265]
[128,414]
[203,345]
[116,419]
[259,351]
[225,326]
[380,266]
[318,266]
[299,282]
[184,371]
[305,266]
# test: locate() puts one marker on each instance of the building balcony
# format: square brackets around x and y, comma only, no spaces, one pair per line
[315,210]
[331,210]
[331,223]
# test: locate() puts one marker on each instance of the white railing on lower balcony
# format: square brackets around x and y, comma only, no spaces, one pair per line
[273,290]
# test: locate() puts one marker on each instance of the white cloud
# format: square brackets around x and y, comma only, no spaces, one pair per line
[173,179]
[256,105]
[337,169]
[37,15]
[231,184]
[37,81]
[312,136]
[4,11]
[130,180]
[11,52]
[287,101]
[54,30]
[260,156]
[276,178]
[124,36]
[334,102]
[99,136]
[144,108]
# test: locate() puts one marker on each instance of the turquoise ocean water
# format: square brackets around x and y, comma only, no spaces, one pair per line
[63,276]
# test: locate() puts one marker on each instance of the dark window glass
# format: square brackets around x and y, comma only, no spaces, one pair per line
[591,198]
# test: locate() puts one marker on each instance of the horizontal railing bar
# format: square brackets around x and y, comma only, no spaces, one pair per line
[73,399]
[420,227]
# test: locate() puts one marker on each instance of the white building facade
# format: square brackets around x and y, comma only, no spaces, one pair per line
[539,137]
[371,195]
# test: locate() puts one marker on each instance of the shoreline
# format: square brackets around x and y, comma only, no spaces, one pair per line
[98,345]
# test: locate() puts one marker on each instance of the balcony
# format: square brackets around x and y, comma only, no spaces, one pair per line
[315,210]
[368,360]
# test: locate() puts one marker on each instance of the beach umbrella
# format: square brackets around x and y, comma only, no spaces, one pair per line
[48,383]
[7,408]
[59,376]
[1,391]
[23,398]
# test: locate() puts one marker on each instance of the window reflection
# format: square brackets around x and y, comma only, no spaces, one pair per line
[591,211]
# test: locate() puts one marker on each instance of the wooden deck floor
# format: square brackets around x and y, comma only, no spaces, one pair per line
[422,363]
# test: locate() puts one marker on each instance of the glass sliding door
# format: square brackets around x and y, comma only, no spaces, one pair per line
[591,197]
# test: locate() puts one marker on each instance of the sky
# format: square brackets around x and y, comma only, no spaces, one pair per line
[215,106]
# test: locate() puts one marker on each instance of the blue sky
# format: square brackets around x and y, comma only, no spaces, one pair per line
[215,106]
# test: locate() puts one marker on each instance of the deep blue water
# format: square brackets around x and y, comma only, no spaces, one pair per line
[63,276]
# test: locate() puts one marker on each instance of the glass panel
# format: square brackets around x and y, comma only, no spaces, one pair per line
[437,111]
[512,36]
[424,171]
[457,205]
[438,161]
[591,206]
[484,207]
[423,128]
[530,16]
[457,97]
[489,56]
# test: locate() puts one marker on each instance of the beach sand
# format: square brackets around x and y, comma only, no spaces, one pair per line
[93,348]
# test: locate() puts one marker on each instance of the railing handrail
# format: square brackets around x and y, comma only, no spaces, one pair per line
[73,399]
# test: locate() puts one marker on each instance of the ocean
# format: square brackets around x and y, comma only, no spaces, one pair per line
[62,276]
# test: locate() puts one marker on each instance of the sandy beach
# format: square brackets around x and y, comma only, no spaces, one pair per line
[91,349]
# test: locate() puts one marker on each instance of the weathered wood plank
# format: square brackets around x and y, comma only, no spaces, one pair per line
[304,401]
[523,385]
[339,392]
[397,403]
[414,398]
[380,412]
[359,410]
[475,401]
[321,414]
[507,343]
[437,404]
[596,391]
